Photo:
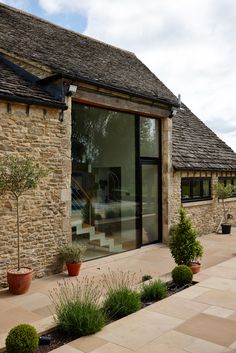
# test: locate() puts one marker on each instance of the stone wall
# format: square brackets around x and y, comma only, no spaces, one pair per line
[44,212]
[205,215]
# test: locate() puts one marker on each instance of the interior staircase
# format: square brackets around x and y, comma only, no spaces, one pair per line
[95,236]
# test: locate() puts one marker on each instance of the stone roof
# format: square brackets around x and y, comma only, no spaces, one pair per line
[15,87]
[71,53]
[196,147]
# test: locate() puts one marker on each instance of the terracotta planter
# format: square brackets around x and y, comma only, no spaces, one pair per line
[19,282]
[73,269]
[195,267]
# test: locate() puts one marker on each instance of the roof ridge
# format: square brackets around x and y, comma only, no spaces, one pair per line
[63,28]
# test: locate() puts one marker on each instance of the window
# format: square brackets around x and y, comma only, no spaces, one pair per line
[195,189]
[227,181]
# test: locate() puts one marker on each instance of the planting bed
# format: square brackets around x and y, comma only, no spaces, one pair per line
[58,340]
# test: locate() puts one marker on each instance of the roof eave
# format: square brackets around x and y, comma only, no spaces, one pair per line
[58,76]
[32,101]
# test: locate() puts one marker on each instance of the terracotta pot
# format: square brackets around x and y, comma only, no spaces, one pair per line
[19,282]
[73,268]
[195,267]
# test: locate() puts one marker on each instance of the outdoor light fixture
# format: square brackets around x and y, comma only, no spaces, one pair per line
[72,89]
[173,112]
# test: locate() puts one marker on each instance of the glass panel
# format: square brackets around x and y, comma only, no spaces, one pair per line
[206,188]
[196,188]
[150,203]
[228,181]
[103,180]
[185,190]
[234,184]
[149,138]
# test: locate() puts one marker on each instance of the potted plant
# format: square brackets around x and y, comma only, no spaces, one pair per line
[73,254]
[18,175]
[223,192]
[184,246]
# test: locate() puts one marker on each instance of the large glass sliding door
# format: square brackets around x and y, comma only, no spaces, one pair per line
[103,180]
[115,173]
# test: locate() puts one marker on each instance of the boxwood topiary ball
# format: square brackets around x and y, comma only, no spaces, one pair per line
[22,339]
[182,275]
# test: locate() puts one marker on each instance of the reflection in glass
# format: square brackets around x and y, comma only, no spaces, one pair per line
[103,180]
[149,203]
[149,137]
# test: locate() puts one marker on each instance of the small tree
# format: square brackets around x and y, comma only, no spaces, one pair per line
[223,192]
[184,246]
[17,175]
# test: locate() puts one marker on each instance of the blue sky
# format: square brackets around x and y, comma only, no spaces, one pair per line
[73,21]
[189,44]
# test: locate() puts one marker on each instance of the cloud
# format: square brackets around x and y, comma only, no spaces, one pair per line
[188,44]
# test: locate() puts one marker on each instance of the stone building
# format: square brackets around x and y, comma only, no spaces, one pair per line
[104,126]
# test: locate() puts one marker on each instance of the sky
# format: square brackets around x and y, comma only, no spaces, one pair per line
[189,44]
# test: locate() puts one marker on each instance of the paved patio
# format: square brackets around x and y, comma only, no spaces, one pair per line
[200,319]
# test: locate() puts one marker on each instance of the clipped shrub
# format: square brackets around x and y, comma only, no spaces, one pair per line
[121,302]
[154,291]
[146,278]
[78,312]
[182,275]
[121,299]
[184,245]
[22,339]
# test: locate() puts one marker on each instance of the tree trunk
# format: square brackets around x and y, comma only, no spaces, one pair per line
[18,233]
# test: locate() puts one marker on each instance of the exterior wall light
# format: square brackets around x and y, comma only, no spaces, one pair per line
[72,89]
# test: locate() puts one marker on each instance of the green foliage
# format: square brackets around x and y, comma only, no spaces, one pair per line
[22,339]
[88,213]
[182,275]
[153,291]
[17,175]
[80,319]
[78,312]
[121,302]
[223,192]
[184,246]
[73,252]
[121,299]
[146,278]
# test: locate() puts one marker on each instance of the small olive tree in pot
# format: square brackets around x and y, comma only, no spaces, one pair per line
[18,175]
[184,246]
[224,192]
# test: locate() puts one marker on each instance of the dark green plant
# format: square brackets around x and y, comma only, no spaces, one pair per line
[184,246]
[88,213]
[121,299]
[80,319]
[223,192]
[146,278]
[121,302]
[22,339]
[182,275]
[78,312]
[18,175]
[73,252]
[154,291]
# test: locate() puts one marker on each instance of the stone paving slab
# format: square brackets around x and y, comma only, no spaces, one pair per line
[159,328]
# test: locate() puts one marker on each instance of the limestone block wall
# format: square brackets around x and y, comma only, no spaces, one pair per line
[44,212]
[205,215]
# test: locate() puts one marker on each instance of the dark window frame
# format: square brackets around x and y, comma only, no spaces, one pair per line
[193,198]
[225,179]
